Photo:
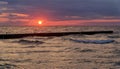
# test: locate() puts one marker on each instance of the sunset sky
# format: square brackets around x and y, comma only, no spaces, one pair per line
[59,12]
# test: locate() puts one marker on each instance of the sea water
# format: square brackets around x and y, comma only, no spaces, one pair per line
[98,51]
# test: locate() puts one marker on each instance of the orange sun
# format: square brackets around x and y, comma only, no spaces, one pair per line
[40,22]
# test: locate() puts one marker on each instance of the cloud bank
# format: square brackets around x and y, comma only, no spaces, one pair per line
[22,11]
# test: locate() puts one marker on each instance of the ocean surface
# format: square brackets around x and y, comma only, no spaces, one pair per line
[98,51]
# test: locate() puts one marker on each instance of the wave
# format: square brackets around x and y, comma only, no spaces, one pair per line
[113,36]
[93,41]
[22,41]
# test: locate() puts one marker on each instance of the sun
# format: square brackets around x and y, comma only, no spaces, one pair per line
[40,22]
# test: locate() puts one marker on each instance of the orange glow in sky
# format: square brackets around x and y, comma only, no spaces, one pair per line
[40,22]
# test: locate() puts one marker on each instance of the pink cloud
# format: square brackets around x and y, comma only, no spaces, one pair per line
[3,2]
[4,20]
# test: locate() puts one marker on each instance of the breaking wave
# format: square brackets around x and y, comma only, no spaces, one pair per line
[93,41]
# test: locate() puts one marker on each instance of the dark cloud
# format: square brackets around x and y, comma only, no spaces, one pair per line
[84,8]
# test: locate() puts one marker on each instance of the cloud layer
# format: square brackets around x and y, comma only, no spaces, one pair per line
[23,11]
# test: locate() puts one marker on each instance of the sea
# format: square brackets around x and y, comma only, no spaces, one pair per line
[97,51]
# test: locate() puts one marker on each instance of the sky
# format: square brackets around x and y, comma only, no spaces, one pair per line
[59,12]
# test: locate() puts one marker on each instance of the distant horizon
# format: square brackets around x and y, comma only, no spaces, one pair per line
[57,25]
